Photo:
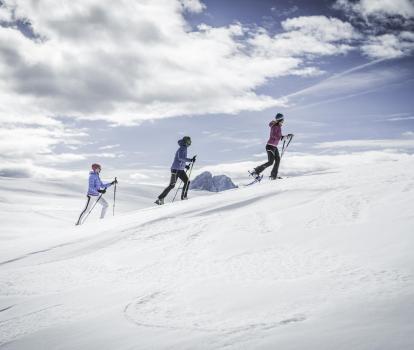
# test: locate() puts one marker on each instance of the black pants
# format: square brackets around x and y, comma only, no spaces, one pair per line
[174,175]
[272,156]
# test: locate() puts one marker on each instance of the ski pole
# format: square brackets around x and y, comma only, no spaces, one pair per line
[189,175]
[178,188]
[91,208]
[113,207]
[284,147]
[185,188]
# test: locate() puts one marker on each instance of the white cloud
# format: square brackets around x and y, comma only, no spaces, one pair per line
[195,6]
[402,118]
[26,148]
[389,46]
[368,144]
[109,146]
[139,176]
[28,169]
[322,28]
[387,25]
[130,61]
[311,35]
[5,14]
[378,8]
[284,12]
[21,142]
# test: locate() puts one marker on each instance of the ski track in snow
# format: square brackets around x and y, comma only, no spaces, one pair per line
[236,268]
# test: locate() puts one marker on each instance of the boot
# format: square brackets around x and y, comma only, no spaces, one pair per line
[159,201]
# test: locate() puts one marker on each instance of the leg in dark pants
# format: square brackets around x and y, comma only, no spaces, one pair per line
[275,169]
[184,178]
[173,180]
[270,159]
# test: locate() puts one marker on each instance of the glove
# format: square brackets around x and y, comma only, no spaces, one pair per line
[102,191]
[290,135]
[187,167]
[114,182]
[193,159]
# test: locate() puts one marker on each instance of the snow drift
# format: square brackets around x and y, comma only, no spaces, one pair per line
[321,261]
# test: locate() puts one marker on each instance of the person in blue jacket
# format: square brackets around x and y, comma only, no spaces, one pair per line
[177,170]
[95,189]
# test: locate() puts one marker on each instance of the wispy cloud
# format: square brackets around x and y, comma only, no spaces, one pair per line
[109,146]
[401,118]
[351,83]
[368,144]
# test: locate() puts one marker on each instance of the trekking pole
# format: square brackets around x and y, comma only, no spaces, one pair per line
[285,145]
[91,209]
[113,207]
[189,175]
[178,188]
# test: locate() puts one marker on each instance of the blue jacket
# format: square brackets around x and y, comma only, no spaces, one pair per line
[180,157]
[95,184]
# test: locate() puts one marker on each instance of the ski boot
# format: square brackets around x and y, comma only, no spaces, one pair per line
[159,201]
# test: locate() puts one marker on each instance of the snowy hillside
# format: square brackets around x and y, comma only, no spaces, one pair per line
[318,261]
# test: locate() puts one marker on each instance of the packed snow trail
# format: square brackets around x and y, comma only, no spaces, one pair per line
[319,262]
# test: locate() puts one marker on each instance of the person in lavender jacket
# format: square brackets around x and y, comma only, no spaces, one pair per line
[177,170]
[95,189]
[271,148]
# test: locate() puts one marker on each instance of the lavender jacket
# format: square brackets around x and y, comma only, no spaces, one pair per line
[275,133]
[95,184]
[180,157]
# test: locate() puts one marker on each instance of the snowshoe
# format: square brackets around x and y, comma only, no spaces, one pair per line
[159,201]
[256,178]
[255,175]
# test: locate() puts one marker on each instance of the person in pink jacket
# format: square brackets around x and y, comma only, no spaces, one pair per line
[271,148]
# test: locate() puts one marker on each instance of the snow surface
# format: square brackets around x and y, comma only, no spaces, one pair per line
[319,261]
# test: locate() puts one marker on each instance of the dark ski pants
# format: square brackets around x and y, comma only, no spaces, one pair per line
[272,156]
[174,175]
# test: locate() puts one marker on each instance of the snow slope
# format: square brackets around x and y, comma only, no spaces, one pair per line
[323,261]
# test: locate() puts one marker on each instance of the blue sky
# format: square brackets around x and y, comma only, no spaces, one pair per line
[118,83]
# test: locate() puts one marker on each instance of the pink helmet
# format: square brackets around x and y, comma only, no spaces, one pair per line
[96,166]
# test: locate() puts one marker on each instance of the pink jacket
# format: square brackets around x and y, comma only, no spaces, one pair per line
[275,133]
